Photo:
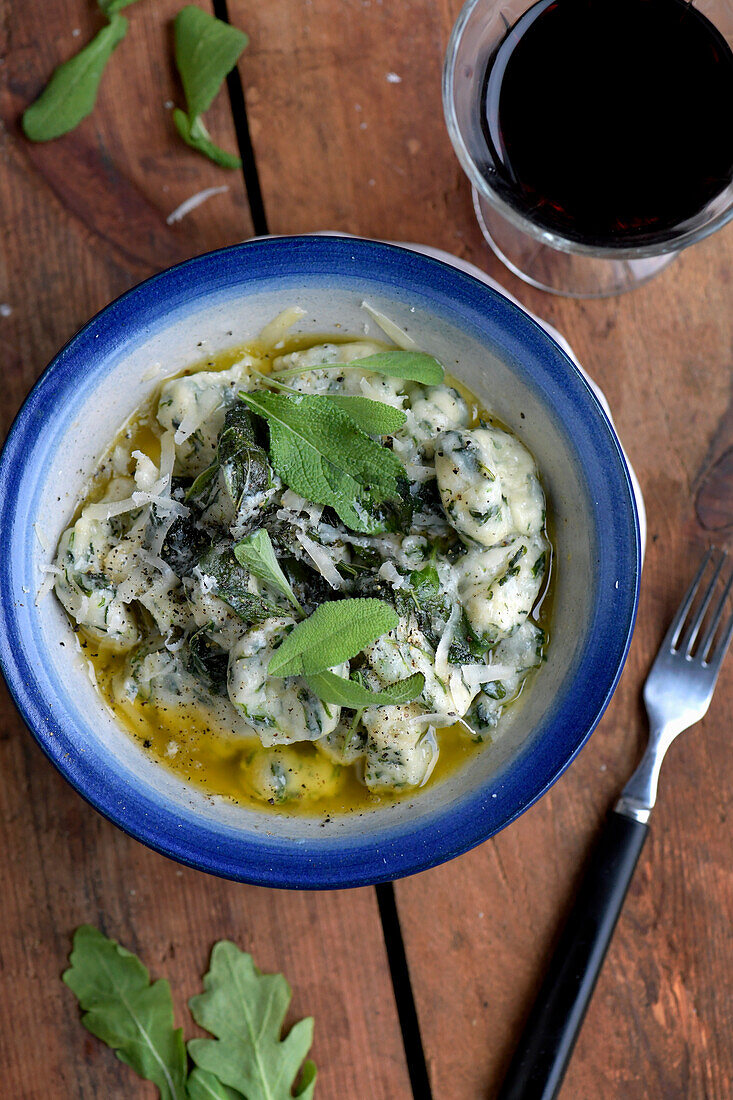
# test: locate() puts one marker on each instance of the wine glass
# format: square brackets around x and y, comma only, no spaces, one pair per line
[539,254]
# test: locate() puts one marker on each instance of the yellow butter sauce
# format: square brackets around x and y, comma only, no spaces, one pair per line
[187,740]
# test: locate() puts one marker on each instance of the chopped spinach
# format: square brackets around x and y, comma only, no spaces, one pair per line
[207,660]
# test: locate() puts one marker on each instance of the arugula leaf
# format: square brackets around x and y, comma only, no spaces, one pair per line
[231,585]
[205,1086]
[126,1012]
[319,452]
[245,1010]
[331,688]
[71,92]
[206,50]
[373,417]
[335,632]
[412,366]
[257,553]
[195,134]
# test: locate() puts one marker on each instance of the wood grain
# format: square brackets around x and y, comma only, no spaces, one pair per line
[83,218]
[340,145]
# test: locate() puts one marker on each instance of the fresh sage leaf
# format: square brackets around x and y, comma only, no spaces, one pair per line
[206,50]
[320,453]
[257,553]
[127,1012]
[331,688]
[373,417]
[197,136]
[334,633]
[245,1010]
[412,366]
[71,92]
[205,1086]
[231,585]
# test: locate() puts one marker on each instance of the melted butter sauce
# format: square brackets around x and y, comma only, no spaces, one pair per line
[185,741]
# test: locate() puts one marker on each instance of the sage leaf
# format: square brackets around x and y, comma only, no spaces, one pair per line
[331,688]
[205,1086]
[126,1012]
[412,366]
[197,136]
[231,579]
[245,1010]
[373,417]
[257,553]
[334,633]
[319,452]
[206,50]
[71,92]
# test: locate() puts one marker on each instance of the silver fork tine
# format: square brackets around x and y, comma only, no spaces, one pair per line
[688,639]
[721,649]
[710,632]
[670,638]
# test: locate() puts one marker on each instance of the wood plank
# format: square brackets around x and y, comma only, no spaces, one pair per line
[82,220]
[344,146]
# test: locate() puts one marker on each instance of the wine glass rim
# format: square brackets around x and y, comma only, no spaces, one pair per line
[521,221]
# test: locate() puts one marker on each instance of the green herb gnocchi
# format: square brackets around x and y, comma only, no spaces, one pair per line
[325,560]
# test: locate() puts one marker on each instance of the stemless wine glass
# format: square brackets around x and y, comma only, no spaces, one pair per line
[538,255]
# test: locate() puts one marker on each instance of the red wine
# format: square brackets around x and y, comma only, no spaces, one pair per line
[611,121]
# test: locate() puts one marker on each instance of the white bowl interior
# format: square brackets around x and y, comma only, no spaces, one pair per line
[107,401]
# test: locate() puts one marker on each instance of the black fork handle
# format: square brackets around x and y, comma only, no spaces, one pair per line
[541,1058]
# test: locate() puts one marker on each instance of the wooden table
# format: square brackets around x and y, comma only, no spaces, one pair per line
[339,143]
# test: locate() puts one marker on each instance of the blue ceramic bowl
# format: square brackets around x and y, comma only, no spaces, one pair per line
[222,299]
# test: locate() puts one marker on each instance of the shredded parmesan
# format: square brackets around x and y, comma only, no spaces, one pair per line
[273,332]
[320,559]
[195,200]
[441,653]
[206,404]
[390,328]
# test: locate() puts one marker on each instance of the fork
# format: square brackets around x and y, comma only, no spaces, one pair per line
[677,694]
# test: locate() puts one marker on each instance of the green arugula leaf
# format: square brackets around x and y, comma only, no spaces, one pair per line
[331,688]
[320,453]
[71,92]
[334,633]
[373,417]
[245,1010]
[205,1086]
[257,553]
[197,136]
[231,585]
[412,366]
[126,1012]
[206,50]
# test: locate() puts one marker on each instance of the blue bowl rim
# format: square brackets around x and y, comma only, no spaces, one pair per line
[389,854]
